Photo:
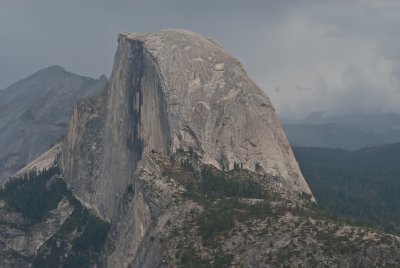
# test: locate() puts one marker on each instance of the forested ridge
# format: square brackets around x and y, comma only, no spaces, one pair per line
[361,185]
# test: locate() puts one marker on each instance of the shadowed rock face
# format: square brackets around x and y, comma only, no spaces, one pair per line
[34,114]
[172,90]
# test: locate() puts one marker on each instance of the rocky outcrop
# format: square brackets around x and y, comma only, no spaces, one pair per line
[34,114]
[43,225]
[169,91]
[45,161]
[20,240]
[172,90]
[214,108]
[208,227]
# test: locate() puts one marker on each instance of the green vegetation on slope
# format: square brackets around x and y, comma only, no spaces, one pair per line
[215,184]
[226,196]
[230,197]
[69,250]
[361,185]
[32,196]
[236,217]
[234,206]
[80,239]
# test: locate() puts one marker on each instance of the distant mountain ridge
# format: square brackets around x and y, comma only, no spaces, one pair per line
[347,132]
[34,113]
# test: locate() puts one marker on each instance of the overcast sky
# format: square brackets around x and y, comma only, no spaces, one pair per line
[334,56]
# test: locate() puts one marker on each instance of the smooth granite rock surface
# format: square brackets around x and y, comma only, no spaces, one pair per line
[172,90]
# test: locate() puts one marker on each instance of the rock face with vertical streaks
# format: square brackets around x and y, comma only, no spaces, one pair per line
[173,90]
[169,91]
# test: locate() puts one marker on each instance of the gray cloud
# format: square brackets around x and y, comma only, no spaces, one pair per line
[337,56]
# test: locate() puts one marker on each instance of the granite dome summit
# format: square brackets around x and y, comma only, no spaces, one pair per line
[215,108]
[172,90]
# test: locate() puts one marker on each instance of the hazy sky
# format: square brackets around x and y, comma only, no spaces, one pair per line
[334,56]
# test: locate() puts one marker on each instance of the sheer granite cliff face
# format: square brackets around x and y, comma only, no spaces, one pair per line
[108,134]
[168,91]
[214,108]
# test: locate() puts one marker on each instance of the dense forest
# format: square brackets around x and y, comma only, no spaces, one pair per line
[362,186]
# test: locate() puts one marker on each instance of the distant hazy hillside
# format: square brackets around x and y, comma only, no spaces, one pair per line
[34,113]
[347,132]
[362,184]
[330,136]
